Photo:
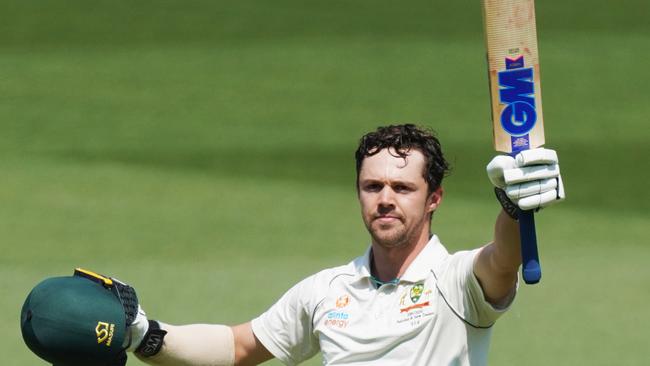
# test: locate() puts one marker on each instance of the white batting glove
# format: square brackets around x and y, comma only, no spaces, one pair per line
[531,180]
[137,330]
[144,336]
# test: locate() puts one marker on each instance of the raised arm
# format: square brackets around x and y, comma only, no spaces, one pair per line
[498,262]
[529,181]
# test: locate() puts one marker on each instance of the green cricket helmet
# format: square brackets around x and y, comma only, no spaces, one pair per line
[80,320]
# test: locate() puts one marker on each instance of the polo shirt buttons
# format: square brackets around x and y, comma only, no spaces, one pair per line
[381,296]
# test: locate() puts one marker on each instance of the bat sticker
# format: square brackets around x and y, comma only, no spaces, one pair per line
[517,93]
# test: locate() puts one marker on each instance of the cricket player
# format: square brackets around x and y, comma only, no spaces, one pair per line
[406,300]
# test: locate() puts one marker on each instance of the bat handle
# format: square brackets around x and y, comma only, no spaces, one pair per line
[531,270]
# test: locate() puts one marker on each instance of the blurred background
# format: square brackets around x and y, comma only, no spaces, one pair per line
[203,152]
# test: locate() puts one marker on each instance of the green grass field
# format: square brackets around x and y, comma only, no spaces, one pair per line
[203,152]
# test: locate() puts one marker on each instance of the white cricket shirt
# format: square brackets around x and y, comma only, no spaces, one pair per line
[435,315]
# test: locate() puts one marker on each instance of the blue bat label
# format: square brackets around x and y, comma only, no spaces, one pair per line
[517,92]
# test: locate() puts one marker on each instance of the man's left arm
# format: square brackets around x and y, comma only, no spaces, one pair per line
[529,181]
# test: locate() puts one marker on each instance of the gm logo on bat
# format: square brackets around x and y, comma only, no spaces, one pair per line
[517,92]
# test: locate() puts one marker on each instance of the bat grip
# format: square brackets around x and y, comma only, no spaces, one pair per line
[531,270]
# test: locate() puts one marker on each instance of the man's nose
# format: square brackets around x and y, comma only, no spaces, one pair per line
[386,200]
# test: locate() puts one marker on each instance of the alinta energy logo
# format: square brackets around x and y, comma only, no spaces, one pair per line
[342,301]
[104,332]
[339,318]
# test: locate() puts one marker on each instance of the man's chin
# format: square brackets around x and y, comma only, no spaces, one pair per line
[388,238]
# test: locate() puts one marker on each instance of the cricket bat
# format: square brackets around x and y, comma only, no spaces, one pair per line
[513,68]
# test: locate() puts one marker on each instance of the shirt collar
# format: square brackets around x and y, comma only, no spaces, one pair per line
[430,257]
[362,264]
[433,254]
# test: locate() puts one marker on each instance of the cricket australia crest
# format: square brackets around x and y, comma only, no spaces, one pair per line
[416,292]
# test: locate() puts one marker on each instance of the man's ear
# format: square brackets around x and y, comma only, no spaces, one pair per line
[434,200]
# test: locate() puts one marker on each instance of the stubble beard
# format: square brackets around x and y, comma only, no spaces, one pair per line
[395,237]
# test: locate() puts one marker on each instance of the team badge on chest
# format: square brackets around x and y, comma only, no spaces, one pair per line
[415,311]
[416,292]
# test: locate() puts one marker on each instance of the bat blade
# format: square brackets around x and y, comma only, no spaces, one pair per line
[516,100]
[513,66]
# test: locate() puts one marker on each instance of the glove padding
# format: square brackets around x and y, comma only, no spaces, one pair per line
[531,180]
[137,330]
[144,336]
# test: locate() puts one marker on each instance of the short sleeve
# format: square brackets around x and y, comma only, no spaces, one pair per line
[286,328]
[463,293]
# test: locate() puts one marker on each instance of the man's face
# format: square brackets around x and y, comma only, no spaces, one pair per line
[393,194]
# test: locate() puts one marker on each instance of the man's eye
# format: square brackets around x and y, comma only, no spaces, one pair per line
[401,188]
[373,187]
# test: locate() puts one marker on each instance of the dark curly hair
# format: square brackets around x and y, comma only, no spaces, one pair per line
[403,138]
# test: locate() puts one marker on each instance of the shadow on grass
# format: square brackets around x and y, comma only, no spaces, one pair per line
[594,178]
[310,166]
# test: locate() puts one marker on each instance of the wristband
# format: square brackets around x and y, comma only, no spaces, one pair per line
[508,206]
[152,341]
